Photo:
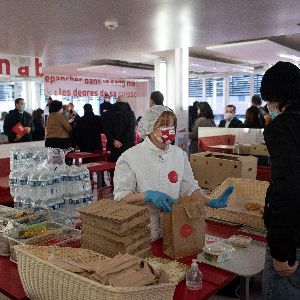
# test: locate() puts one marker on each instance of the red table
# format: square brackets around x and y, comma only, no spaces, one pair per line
[99,168]
[213,278]
[78,155]
[5,196]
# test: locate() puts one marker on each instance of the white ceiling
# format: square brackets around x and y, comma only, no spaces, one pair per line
[73,32]
[255,52]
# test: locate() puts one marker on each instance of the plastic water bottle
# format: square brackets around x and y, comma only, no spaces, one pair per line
[194,277]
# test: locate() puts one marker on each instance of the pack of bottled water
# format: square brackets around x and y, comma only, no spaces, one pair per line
[39,178]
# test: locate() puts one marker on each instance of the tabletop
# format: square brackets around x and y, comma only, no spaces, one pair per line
[100,166]
[213,278]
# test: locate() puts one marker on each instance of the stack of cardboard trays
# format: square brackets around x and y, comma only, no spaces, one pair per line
[111,227]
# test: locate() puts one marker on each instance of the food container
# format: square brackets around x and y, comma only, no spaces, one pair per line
[218,252]
[16,215]
[240,241]
[5,227]
[25,235]
[62,237]
[5,210]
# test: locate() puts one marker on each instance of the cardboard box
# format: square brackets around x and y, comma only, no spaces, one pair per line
[211,169]
[244,149]
[259,149]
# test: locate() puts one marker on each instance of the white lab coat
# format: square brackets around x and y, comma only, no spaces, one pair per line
[145,167]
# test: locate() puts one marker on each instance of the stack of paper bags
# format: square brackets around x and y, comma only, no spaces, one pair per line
[111,227]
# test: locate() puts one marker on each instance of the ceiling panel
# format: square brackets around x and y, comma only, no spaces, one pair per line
[64,32]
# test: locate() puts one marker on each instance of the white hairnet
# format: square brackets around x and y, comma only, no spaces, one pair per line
[147,122]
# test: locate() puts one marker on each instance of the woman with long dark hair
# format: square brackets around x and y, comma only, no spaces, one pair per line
[252,119]
[38,134]
[205,119]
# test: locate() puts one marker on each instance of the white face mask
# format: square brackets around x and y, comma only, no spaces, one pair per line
[228,116]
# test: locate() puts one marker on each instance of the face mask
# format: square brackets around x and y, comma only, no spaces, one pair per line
[273,114]
[228,116]
[167,135]
[66,114]
[22,107]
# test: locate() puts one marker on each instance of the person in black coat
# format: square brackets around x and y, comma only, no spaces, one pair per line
[256,101]
[18,115]
[38,134]
[119,128]
[193,114]
[280,87]
[87,131]
[230,120]
[105,106]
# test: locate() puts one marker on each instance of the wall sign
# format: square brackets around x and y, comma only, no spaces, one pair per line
[12,65]
[136,92]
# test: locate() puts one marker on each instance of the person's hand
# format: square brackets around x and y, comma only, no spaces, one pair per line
[283,268]
[71,120]
[160,200]
[117,144]
[222,200]
[28,129]
[18,137]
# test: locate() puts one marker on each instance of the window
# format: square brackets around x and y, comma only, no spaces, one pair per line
[6,92]
[239,93]
[239,85]
[209,87]
[257,83]
[195,87]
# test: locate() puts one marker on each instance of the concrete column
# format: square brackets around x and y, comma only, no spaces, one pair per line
[172,79]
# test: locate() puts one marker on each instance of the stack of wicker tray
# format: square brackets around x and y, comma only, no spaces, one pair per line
[110,227]
[245,191]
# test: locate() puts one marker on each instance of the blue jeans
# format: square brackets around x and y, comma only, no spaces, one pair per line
[275,287]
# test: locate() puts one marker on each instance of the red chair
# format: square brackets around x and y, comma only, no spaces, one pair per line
[205,142]
[105,153]
[263,173]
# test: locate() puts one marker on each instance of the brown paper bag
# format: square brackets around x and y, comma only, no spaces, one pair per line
[184,228]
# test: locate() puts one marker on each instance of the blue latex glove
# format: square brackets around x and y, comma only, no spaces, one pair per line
[160,200]
[222,200]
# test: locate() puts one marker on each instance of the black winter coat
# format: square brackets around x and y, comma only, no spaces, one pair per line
[105,107]
[234,123]
[13,118]
[87,132]
[120,126]
[282,204]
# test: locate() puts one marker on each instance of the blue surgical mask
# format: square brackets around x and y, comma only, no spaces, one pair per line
[22,108]
[273,114]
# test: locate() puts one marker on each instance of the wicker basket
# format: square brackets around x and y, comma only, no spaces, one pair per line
[245,190]
[44,281]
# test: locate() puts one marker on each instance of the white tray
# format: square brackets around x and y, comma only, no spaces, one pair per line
[245,262]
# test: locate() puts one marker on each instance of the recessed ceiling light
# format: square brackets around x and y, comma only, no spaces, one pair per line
[123,71]
[195,65]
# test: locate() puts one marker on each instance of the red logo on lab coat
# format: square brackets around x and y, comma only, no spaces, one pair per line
[186,230]
[173,177]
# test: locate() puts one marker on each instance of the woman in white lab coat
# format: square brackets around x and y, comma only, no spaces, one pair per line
[155,173]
